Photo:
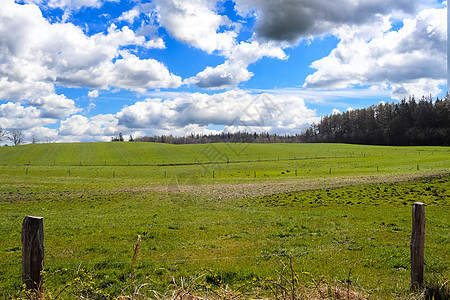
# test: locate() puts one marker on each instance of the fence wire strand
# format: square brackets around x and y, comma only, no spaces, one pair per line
[201,223]
[297,254]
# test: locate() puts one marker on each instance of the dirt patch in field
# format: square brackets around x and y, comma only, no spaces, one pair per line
[256,189]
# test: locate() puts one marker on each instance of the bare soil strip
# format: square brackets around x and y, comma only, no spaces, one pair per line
[255,189]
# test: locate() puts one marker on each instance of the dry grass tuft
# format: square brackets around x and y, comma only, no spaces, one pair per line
[287,286]
[136,249]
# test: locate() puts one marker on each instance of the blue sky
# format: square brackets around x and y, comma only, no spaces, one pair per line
[85,70]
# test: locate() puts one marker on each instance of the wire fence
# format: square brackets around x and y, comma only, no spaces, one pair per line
[174,261]
[185,225]
[127,163]
[321,248]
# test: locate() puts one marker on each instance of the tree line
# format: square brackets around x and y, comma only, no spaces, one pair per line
[237,137]
[408,123]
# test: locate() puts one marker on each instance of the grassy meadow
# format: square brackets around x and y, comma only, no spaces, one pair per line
[223,215]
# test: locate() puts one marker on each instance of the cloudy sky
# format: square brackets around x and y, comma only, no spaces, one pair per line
[85,70]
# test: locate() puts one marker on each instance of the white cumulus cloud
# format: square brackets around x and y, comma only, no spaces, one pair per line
[411,60]
[17,116]
[54,106]
[93,94]
[36,112]
[36,55]
[234,70]
[231,109]
[81,128]
[197,23]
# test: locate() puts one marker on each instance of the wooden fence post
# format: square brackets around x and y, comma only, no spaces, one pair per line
[417,244]
[32,252]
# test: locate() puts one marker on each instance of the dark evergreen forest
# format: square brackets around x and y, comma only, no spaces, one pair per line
[409,122]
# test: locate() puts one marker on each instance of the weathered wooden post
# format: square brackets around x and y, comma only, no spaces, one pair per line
[417,244]
[32,252]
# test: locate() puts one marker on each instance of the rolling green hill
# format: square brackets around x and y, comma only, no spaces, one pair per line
[126,153]
[75,166]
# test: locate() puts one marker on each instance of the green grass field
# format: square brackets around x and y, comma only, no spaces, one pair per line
[233,212]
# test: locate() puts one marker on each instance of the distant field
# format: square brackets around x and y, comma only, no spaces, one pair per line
[151,154]
[125,165]
[234,211]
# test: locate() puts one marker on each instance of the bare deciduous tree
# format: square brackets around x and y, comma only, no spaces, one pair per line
[48,139]
[16,137]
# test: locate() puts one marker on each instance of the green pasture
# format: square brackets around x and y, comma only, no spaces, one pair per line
[124,165]
[204,214]
[156,154]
